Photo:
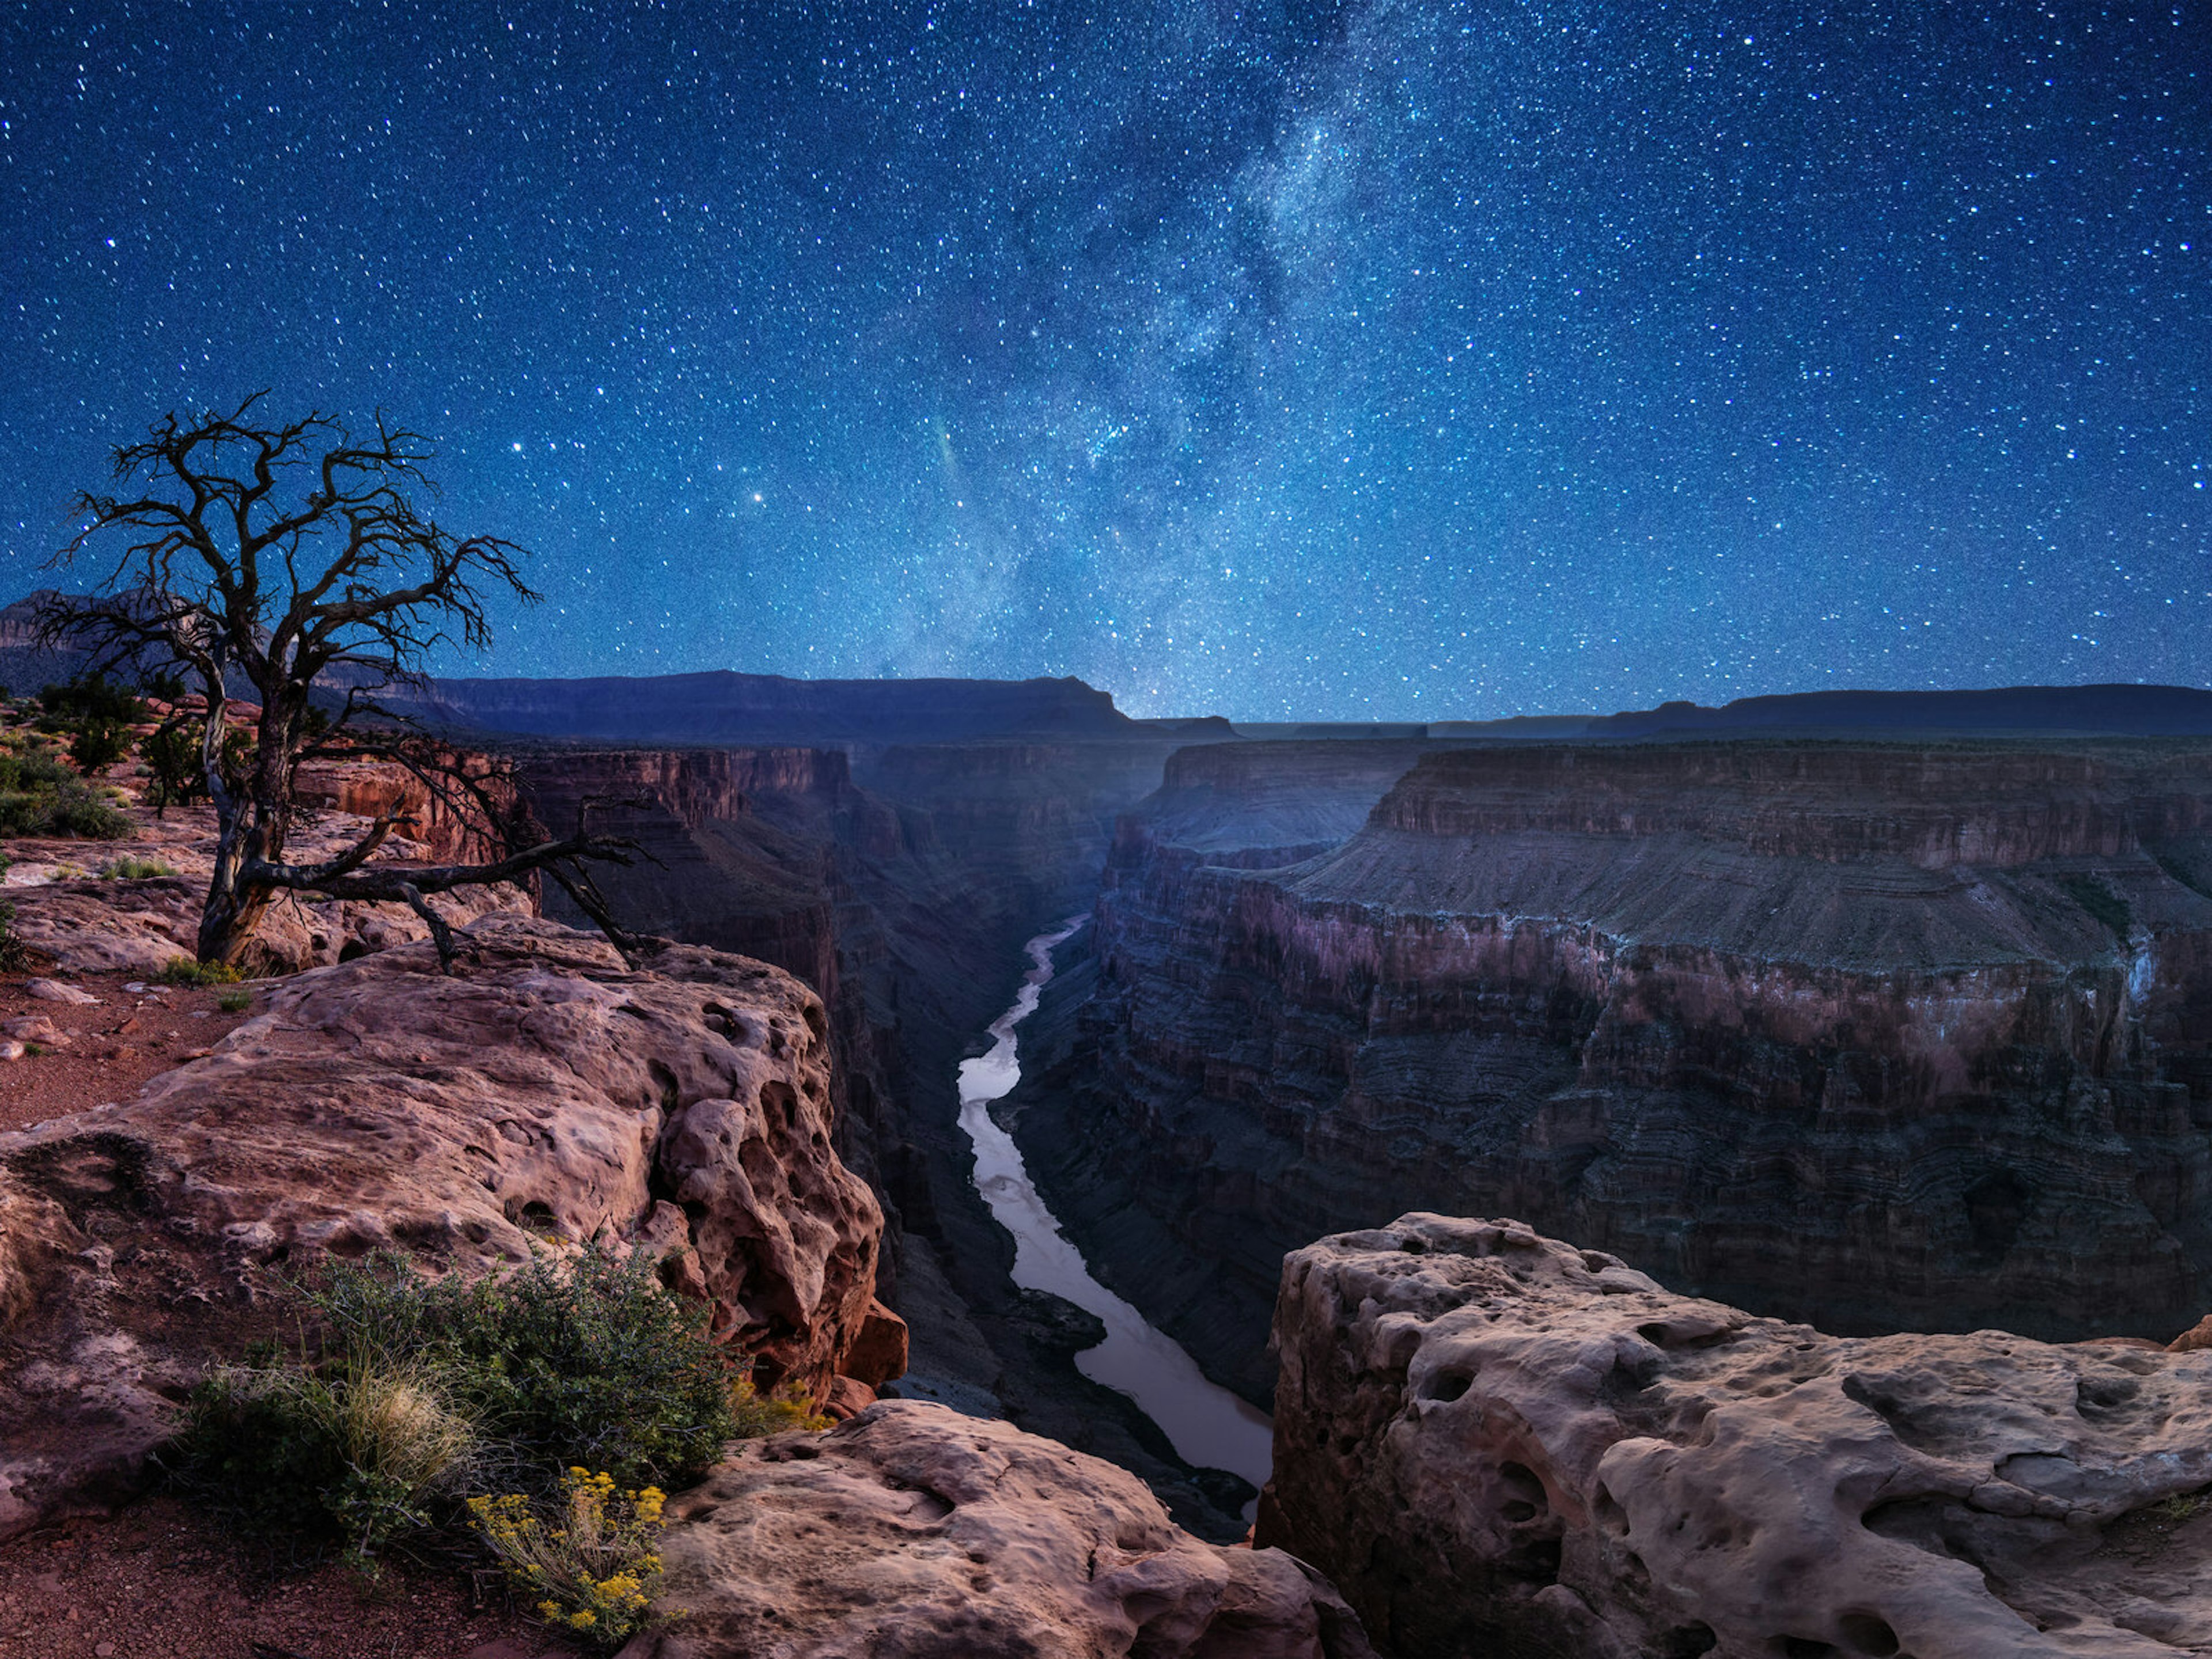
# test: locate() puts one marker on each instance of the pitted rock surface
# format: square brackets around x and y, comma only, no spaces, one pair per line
[1494,1442]
[543,1093]
[912,1532]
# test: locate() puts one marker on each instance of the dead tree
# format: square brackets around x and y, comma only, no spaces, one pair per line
[312,606]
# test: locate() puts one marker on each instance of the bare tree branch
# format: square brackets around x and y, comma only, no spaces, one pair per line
[327,597]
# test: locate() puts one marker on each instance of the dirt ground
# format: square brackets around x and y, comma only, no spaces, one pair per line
[158,1581]
[107,1051]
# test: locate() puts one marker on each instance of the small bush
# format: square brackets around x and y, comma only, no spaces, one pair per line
[183,971]
[779,1412]
[69,807]
[97,745]
[590,1567]
[235,1002]
[358,1451]
[78,810]
[96,699]
[586,1360]
[173,756]
[14,955]
[409,1386]
[134,869]
[31,771]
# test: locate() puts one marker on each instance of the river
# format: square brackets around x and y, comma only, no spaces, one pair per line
[1209,1427]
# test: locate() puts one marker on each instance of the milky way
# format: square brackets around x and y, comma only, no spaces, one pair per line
[1381,361]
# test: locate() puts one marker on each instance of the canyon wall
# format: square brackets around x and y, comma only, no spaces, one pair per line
[1873,1036]
[901,883]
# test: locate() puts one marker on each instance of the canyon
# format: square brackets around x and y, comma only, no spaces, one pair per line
[1833,1035]
[1874,1035]
[901,881]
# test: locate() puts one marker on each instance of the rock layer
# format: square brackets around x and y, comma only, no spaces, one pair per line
[1495,1442]
[1870,1035]
[543,1091]
[911,1532]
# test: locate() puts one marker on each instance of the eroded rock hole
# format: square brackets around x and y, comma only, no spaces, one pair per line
[1525,1497]
[779,1096]
[1688,1641]
[1611,1519]
[1864,1632]
[1446,1386]
[534,1217]
[2097,1398]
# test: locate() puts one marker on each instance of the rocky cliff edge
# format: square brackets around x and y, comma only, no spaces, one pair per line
[544,1093]
[1497,1444]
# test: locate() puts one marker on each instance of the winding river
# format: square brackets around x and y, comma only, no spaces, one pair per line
[1209,1427]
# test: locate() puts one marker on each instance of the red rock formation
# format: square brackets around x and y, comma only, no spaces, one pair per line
[370,789]
[544,1089]
[914,1532]
[1876,1034]
[1494,1442]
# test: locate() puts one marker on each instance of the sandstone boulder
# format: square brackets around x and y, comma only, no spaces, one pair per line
[544,1092]
[1497,1444]
[912,1532]
[880,1352]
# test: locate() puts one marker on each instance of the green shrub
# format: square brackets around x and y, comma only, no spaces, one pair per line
[134,869]
[69,807]
[14,955]
[235,1002]
[183,971]
[78,809]
[31,771]
[173,756]
[93,699]
[785,1408]
[97,745]
[407,1392]
[583,1361]
[359,1450]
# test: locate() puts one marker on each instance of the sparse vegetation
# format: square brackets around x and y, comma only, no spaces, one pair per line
[590,1566]
[128,868]
[235,1002]
[407,1391]
[97,745]
[15,955]
[2102,902]
[40,796]
[586,1360]
[360,1449]
[95,699]
[2181,1508]
[172,760]
[183,971]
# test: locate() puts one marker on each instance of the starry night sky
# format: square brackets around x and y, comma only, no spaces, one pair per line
[1380,361]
